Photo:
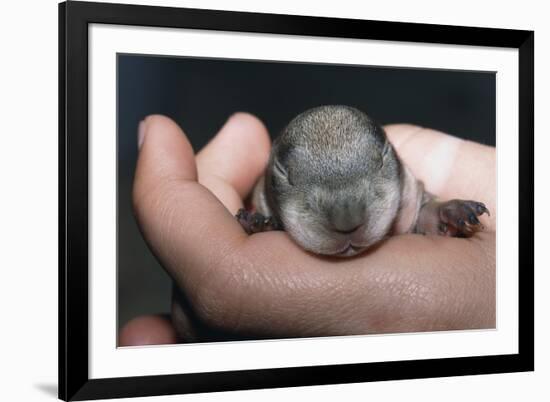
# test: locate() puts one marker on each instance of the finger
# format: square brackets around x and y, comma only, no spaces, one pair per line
[448,166]
[147,330]
[185,225]
[233,161]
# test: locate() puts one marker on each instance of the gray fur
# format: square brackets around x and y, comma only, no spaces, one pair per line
[333,180]
[336,185]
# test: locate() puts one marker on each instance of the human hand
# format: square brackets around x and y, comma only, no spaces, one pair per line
[266,285]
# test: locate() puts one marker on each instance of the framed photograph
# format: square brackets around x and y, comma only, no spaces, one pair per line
[257,200]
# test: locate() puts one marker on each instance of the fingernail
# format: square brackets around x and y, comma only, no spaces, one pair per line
[141,133]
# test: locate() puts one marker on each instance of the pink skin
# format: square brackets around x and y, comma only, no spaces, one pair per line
[147,330]
[266,285]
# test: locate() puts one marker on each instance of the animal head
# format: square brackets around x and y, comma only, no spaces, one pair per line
[334,181]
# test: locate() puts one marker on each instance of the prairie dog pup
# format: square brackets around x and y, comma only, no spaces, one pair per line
[335,184]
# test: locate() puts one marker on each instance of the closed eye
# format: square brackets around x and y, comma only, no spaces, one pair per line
[282,172]
[385,152]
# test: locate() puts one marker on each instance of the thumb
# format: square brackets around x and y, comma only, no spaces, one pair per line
[179,218]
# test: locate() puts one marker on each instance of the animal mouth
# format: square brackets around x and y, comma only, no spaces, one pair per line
[349,250]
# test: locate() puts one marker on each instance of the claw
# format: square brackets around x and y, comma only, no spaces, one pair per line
[472,219]
[481,209]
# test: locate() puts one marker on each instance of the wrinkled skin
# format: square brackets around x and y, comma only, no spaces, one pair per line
[267,286]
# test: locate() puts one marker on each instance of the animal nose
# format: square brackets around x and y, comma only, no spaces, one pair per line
[347,217]
[348,231]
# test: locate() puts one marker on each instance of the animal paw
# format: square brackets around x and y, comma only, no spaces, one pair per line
[459,218]
[256,222]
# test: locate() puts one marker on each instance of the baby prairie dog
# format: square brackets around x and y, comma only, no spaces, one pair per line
[335,184]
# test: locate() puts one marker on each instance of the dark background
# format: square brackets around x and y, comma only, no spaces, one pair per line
[200,94]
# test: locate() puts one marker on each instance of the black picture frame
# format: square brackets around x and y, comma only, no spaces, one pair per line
[74,381]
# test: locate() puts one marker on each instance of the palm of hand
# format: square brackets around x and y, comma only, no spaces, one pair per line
[266,285]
